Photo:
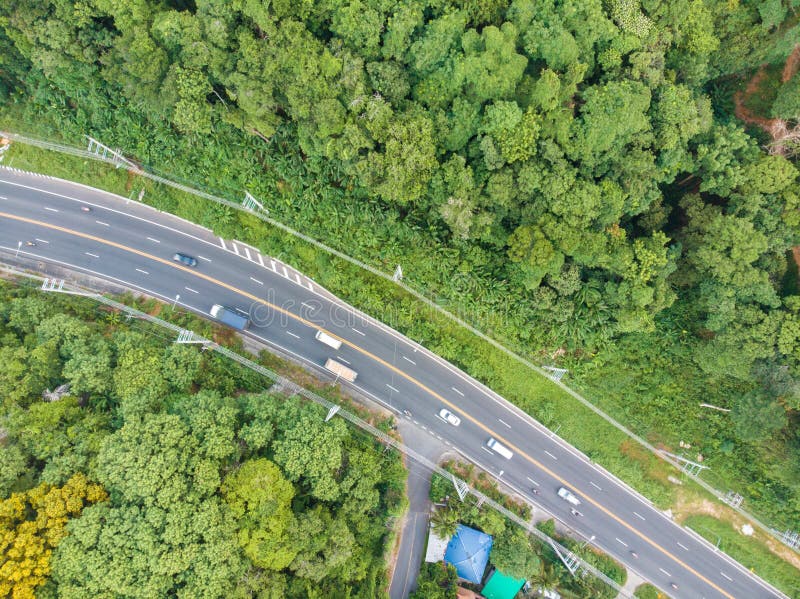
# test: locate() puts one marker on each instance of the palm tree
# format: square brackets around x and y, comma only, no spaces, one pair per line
[445,522]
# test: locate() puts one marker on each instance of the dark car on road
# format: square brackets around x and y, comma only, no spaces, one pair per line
[184,259]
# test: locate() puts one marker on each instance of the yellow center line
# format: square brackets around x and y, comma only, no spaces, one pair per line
[383,363]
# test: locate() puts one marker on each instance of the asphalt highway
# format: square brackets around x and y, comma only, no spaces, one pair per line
[133,244]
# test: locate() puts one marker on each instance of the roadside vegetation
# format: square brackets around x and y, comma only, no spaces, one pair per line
[747,551]
[168,471]
[570,177]
[514,552]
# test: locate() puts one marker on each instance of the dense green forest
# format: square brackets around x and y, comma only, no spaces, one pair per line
[168,472]
[567,174]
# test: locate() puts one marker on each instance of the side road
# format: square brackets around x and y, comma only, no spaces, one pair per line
[414,534]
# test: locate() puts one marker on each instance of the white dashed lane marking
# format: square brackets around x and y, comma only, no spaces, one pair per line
[550,454]
[665,572]
[204,258]
[359,332]
[596,486]
[293,335]
[457,391]
[410,360]
[256,281]
[42,240]
[50,209]
[91,254]
[623,543]
[504,422]
[682,546]
[392,388]
[144,272]
[341,359]
[99,222]
[726,576]
[190,289]
[638,515]
[153,240]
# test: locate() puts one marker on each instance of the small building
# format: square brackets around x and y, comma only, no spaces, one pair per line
[468,551]
[500,586]
[434,552]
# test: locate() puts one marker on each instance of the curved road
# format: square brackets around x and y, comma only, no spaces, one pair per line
[133,244]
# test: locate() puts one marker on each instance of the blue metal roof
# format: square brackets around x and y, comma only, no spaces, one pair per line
[468,551]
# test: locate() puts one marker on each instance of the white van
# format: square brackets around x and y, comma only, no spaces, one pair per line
[495,445]
[328,340]
[568,496]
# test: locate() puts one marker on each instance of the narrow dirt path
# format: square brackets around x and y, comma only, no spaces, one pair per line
[775,127]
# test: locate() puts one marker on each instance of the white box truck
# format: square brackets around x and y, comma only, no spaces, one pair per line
[497,447]
[340,370]
[323,337]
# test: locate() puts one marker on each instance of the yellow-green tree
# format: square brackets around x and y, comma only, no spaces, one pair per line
[32,524]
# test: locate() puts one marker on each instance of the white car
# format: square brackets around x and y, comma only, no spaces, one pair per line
[568,496]
[449,417]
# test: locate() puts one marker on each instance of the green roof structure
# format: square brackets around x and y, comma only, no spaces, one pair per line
[500,586]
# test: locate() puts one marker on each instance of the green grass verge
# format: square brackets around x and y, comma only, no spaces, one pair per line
[749,552]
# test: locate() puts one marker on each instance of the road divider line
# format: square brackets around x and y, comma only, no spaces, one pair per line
[504,422]
[533,461]
[293,335]
[550,454]
[144,272]
[410,360]
[256,281]
[457,391]
[153,240]
[190,289]
[392,388]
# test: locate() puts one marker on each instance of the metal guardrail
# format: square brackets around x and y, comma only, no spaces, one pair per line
[115,159]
